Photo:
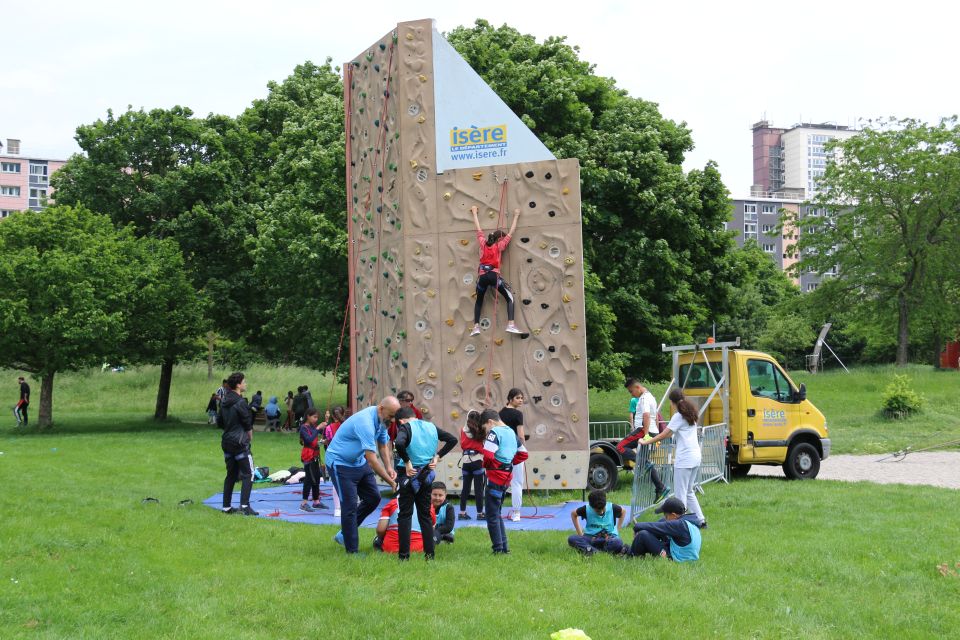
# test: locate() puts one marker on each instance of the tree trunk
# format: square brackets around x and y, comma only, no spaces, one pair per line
[163,393]
[938,344]
[210,340]
[45,417]
[903,329]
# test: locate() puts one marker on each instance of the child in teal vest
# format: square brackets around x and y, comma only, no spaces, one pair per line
[604,519]
[446,519]
[674,537]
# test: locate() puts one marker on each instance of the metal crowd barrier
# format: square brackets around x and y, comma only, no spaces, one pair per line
[659,456]
[614,430]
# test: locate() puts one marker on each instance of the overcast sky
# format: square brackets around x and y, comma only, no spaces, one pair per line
[718,66]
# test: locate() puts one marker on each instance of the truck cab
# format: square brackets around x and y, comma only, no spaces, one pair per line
[770,419]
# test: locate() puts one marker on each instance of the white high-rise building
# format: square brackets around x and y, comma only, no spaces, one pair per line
[792,160]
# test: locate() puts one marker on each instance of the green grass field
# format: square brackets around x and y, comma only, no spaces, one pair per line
[83,558]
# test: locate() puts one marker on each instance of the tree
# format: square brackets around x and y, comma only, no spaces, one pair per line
[653,235]
[893,219]
[70,279]
[172,175]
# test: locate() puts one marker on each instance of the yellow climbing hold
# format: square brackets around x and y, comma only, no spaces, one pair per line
[478,175]
[454,414]
[422,119]
[450,263]
[432,375]
[422,78]
[566,191]
[425,410]
[449,322]
[543,245]
[496,375]
[458,379]
[576,356]
[492,214]
[464,242]
[455,393]
[568,260]
[427,336]
[566,297]
[431,293]
[560,438]
[450,349]
[414,164]
[574,417]
[417,252]
[536,332]
[447,195]
[421,381]
[573,327]
[563,484]
[536,483]
[480,371]
[498,341]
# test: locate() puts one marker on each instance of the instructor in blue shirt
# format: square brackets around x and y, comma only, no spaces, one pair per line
[352,460]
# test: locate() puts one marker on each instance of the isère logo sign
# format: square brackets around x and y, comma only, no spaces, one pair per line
[474,143]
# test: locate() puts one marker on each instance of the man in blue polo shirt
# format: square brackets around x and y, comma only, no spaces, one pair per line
[352,460]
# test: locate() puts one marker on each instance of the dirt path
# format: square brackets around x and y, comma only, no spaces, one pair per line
[938,469]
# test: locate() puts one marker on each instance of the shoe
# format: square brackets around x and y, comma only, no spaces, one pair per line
[231,510]
[307,508]
[465,516]
[339,538]
[336,513]
[319,505]
[515,516]
[703,525]
[476,330]
[513,329]
[662,495]
[247,511]
[481,516]
[497,552]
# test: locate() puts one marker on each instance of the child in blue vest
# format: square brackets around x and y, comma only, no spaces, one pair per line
[603,521]
[417,445]
[501,449]
[675,536]
[445,517]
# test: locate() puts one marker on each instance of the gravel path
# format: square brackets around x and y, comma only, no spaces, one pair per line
[938,469]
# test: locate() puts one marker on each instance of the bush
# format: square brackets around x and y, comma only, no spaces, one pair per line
[900,400]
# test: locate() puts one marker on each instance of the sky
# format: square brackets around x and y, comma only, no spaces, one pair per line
[719,67]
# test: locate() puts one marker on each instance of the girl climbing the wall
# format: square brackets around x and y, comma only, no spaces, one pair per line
[488,276]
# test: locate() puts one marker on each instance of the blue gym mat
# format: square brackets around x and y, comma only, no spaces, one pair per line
[283,502]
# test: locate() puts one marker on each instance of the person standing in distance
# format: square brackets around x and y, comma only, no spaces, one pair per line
[237,424]
[513,418]
[20,410]
[351,462]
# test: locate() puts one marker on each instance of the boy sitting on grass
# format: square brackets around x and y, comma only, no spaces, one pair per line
[674,537]
[603,520]
[443,510]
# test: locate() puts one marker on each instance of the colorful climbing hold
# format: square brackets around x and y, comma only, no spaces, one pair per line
[447,195]
[481,371]
[478,175]
[464,242]
[566,297]
[449,322]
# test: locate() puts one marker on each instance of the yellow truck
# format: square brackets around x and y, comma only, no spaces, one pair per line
[766,417]
[769,417]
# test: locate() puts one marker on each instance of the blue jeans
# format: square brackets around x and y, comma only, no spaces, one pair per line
[589,544]
[351,483]
[493,502]
[645,543]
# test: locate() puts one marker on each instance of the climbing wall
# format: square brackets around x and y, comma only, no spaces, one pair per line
[413,253]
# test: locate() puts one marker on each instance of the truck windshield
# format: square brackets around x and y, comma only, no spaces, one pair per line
[699,376]
[767,381]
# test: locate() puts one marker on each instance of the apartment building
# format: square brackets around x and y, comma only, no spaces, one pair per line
[24,179]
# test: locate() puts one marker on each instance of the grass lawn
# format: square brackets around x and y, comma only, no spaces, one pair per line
[83,558]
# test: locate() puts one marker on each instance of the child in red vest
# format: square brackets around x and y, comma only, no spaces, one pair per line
[491,249]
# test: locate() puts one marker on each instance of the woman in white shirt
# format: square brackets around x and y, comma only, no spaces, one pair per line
[683,428]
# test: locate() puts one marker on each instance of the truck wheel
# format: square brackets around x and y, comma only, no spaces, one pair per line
[803,462]
[602,473]
[739,470]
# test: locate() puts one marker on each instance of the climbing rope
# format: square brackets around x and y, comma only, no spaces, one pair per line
[336,366]
[898,456]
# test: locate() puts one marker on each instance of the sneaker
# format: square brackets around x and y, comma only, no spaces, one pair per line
[501,551]
[307,508]
[247,511]
[515,516]
[476,330]
[465,516]
[319,505]
[703,525]
[339,538]
[231,510]
[512,328]
[481,516]
[662,495]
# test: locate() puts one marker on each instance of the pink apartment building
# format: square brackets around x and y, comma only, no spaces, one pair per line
[24,180]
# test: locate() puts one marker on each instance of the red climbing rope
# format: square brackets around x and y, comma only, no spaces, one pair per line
[343,331]
[496,298]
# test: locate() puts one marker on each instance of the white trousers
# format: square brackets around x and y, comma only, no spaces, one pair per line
[517,480]
[684,488]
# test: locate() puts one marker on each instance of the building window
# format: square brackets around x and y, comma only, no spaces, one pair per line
[38,169]
[810,230]
[9,167]
[5,213]
[768,208]
[770,248]
[37,196]
[749,208]
[767,229]
[10,191]
[812,286]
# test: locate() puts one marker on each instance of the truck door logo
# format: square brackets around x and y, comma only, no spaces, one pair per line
[774,418]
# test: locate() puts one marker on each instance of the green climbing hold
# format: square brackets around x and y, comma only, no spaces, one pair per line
[404,364]
[369,295]
[383,47]
[376,123]
[387,342]
[373,259]
[360,110]
[400,295]
[369,57]
[385,254]
[392,166]
[400,273]
[395,355]
[363,94]
[386,275]
[366,308]
[362,260]
[384,314]
[402,334]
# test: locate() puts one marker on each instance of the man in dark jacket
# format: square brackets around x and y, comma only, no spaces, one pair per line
[237,424]
[299,406]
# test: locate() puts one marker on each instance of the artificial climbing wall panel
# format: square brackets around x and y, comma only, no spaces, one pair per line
[414,257]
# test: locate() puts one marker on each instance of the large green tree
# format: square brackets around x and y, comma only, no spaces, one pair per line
[72,284]
[653,235]
[172,175]
[892,223]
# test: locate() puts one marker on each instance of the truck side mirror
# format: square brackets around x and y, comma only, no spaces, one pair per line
[801,394]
